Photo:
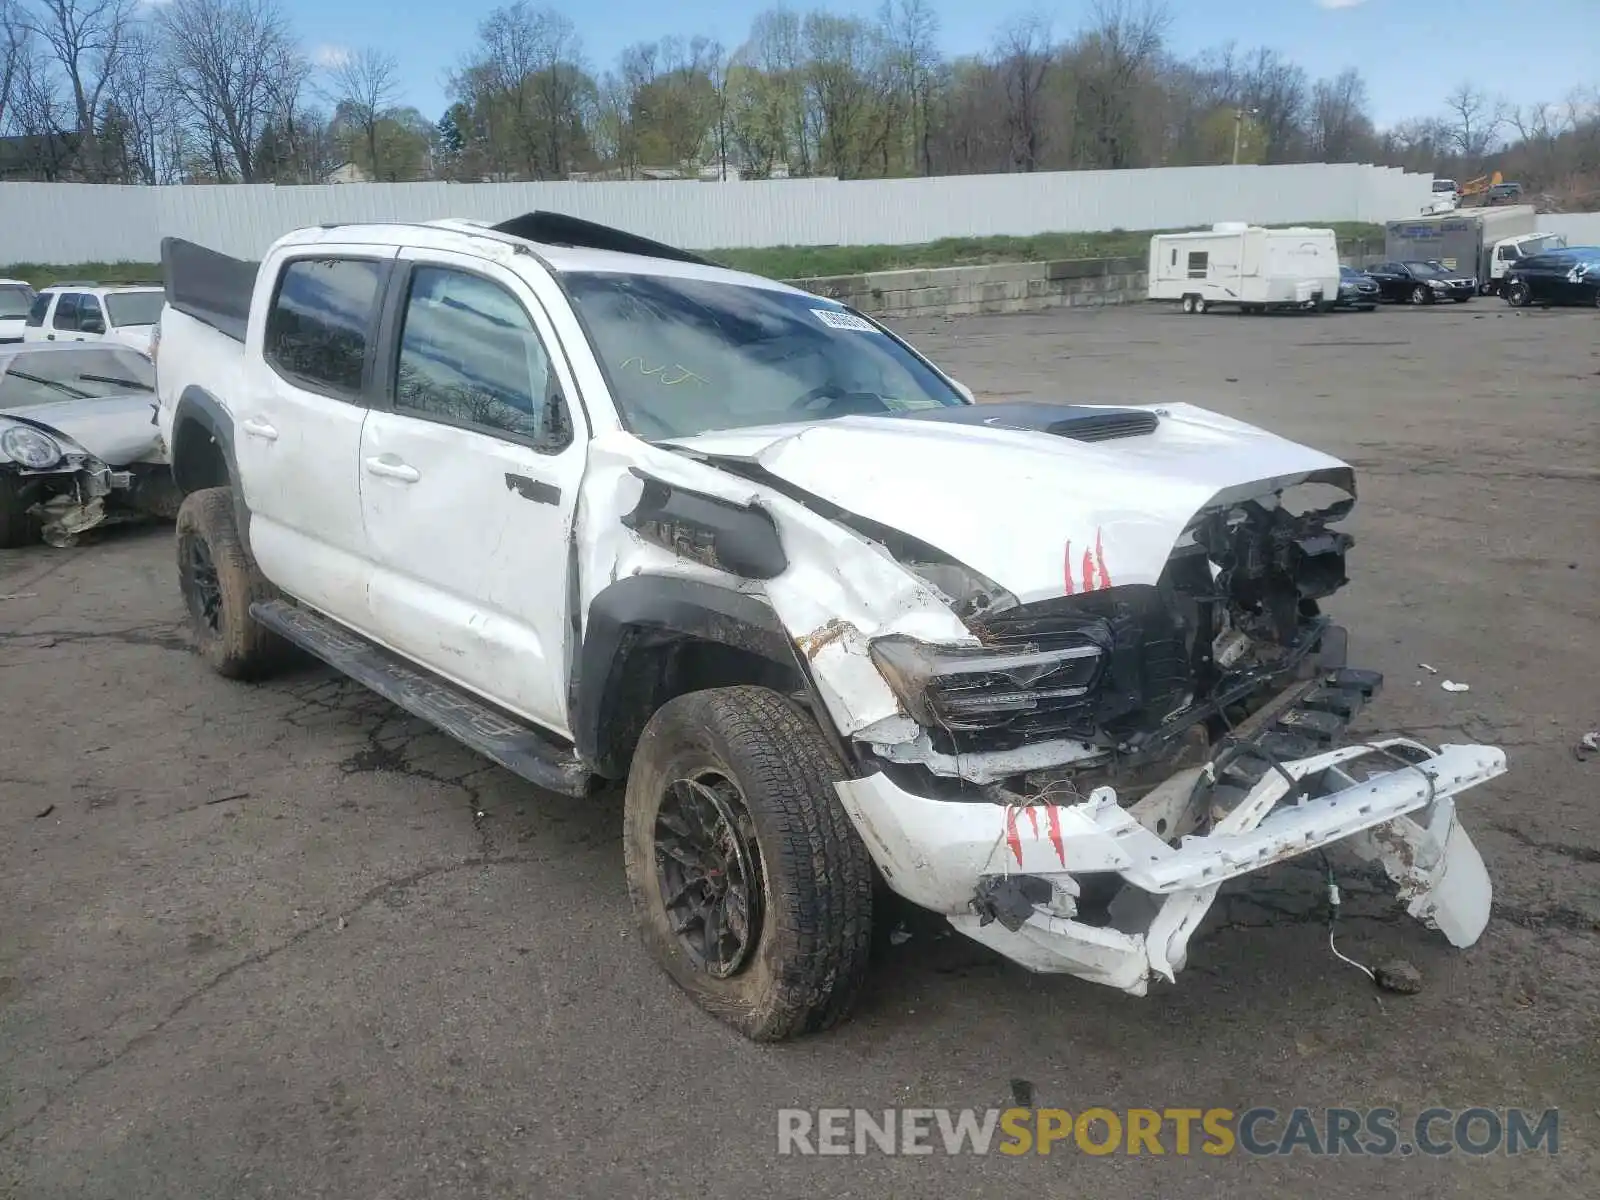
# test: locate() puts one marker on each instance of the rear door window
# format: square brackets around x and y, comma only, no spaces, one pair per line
[41,306]
[321,322]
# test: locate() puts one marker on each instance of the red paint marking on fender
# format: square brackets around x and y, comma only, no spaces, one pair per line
[1054,818]
[1100,561]
[1089,584]
[1013,838]
[1070,588]
[1033,819]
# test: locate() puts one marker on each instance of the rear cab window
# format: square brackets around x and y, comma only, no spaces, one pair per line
[321,324]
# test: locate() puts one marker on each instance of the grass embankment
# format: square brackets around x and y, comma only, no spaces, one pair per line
[807,262]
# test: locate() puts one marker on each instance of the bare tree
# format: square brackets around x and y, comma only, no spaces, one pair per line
[1122,44]
[86,37]
[1024,55]
[910,30]
[229,64]
[1339,122]
[1474,120]
[364,86]
[13,49]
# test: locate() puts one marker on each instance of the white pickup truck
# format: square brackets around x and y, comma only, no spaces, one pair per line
[603,510]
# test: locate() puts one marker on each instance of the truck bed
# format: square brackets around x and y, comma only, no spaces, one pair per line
[209,286]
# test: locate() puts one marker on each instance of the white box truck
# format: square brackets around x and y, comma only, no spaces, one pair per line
[1484,243]
[1246,266]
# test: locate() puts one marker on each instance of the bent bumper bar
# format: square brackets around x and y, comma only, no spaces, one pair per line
[937,853]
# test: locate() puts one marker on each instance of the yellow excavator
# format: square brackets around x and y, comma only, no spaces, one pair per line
[1481,185]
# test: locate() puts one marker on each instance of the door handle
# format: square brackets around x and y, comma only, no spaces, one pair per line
[393,469]
[256,427]
[49,337]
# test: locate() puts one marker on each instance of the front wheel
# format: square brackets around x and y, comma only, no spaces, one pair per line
[219,581]
[749,884]
[1421,295]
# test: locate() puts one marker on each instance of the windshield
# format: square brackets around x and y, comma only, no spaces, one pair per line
[1538,245]
[1425,270]
[15,300]
[684,356]
[48,375]
[1444,185]
[135,308]
[1349,273]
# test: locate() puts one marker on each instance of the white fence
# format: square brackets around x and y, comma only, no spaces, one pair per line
[1582,229]
[71,223]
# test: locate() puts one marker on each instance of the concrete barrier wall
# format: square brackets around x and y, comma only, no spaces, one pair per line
[1000,288]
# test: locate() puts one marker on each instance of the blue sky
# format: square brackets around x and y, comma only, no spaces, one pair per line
[1412,52]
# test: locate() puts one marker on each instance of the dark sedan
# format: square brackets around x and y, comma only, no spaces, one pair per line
[1566,276]
[1422,282]
[1357,289]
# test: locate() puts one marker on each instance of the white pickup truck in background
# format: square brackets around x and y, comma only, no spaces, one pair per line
[603,510]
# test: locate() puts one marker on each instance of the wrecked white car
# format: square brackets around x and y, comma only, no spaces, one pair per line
[79,447]
[603,510]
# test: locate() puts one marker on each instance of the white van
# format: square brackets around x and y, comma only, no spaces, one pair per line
[1246,266]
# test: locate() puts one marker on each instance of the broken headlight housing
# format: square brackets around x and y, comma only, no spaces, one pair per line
[35,450]
[979,687]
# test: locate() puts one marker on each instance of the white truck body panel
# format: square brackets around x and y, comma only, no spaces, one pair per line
[1245,264]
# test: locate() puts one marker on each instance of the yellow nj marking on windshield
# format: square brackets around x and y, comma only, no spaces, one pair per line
[660,373]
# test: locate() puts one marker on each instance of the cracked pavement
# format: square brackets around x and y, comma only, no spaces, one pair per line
[282,940]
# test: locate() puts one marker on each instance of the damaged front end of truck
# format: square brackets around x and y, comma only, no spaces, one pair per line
[1070,760]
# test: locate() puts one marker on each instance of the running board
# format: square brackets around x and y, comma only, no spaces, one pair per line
[519,748]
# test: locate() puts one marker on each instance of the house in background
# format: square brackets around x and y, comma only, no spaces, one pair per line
[347,172]
[39,157]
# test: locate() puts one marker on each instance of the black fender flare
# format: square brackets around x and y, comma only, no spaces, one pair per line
[659,607]
[198,407]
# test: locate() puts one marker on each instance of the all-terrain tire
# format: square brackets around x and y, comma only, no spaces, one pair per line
[17,528]
[807,962]
[228,638]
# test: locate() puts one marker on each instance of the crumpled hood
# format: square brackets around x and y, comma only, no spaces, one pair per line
[1040,514]
[115,429]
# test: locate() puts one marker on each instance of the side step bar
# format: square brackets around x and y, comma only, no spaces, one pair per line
[517,747]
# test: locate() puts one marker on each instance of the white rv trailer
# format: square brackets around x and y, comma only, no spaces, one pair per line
[1246,266]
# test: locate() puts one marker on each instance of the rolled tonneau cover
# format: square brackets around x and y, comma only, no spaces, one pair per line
[208,285]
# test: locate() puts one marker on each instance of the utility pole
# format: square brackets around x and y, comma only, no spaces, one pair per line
[1238,128]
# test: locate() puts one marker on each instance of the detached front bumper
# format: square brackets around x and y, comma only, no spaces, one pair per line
[1009,876]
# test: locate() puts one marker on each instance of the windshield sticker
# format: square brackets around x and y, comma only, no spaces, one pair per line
[834,319]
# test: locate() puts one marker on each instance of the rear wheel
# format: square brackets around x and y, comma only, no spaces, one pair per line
[17,528]
[220,580]
[1189,304]
[1518,295]
[749,884]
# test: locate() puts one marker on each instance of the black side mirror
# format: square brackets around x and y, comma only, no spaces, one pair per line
[91,325]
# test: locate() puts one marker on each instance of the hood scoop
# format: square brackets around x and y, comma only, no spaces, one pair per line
[1081,423]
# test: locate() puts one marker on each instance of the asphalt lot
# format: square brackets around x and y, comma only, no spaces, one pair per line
[284,941]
